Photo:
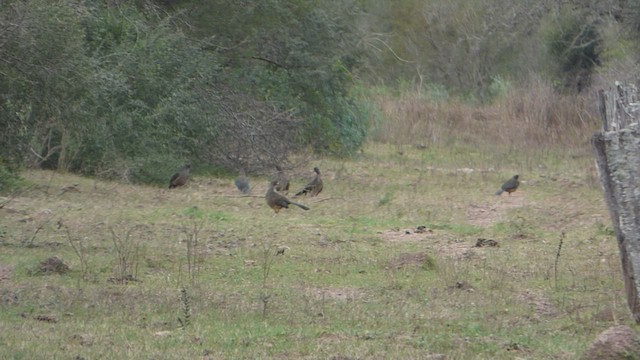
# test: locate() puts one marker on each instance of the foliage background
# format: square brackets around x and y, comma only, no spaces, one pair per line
[131,90]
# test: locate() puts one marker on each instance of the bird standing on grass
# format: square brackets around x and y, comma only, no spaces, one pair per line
[242,182]
[509,186]
[314,187]
[283,180]
[277,201]
[180,178]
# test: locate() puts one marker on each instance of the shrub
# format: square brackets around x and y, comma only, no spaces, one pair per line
[574,46]
[122,91]
[9,177]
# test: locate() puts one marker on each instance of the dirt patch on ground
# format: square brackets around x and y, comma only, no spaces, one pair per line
[461,286]
[455,249]
[542,304]
[332,337]
[437,242]
[416,234]
[488,214]
[341,294]
[6,272]
[53,265]
[618,342]
[420,260]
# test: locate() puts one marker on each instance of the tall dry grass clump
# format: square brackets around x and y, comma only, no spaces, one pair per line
[530,116]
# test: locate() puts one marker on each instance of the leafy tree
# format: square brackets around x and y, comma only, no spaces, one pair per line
[296,54]
[42,81]
[130,90]
[150,94]
[460,45]
[574,45]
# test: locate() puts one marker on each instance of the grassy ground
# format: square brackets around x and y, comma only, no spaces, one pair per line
[193,273]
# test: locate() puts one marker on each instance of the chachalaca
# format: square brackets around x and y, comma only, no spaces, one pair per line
[283,180]
[180,178]
[242,182]
[314,187]
[278,201]
[509,186]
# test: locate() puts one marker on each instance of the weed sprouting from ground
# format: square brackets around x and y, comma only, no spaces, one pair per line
[19,191]
[79,244]
[128,245]
[268,257]
[557,260]
[604,229]
[191,230]
[29,237]
[429,263]
[184,319]
[385,199]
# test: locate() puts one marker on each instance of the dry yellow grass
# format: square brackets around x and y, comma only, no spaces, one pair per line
[528,118]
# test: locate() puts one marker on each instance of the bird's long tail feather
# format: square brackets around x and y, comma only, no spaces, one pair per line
[300,206]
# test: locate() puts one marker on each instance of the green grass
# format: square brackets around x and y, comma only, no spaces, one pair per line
[352,282]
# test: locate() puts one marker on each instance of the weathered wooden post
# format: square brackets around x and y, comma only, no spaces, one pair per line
[617,149]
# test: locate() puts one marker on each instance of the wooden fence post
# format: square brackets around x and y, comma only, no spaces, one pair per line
[617,150]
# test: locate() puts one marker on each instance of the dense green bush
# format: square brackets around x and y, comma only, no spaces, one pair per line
[296,55]
[574,45]
[43,81]
[124,90]
[9,177]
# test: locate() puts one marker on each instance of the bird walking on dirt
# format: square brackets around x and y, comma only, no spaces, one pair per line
[314,187]
[282,179]
[242,182]
[510,185]
[278,201]
[180,178]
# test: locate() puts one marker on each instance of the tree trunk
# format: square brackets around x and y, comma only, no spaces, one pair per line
[617,150]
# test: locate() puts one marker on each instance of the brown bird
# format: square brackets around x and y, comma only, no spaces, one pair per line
[509,186]
[242,182]
[282,179]
[314,187]
[278,201]
[180,178]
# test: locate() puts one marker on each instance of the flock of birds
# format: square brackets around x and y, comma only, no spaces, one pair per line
[280,183]
[273,197]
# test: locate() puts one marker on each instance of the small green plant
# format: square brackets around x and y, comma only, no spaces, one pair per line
[498,88]
[10,179]
[268,256]
[191,230]
[517,227]
[185,317]
[29,234]
[429,263]
[386,198]
[557,260]
[604,229]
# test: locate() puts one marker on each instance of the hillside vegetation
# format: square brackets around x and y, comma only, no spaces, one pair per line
[415,111]
[131,90]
